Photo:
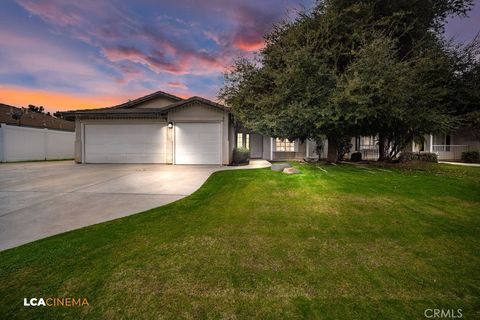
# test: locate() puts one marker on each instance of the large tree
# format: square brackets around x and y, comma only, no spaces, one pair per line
[296,86]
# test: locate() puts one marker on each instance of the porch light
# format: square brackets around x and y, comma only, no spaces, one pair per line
[170,125]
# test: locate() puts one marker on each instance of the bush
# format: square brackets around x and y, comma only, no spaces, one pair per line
[241,155]
[407,156]
[427,157]
[471,156]
[356,156]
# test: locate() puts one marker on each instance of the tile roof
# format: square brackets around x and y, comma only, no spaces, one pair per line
[126,110]
[23,117]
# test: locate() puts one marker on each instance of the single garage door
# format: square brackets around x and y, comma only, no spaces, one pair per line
[125,143]
[198,143]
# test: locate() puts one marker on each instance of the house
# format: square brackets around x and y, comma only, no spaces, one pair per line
[157,128]
[163,128]
[23,117]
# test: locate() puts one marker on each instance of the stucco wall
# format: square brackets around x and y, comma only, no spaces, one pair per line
[266,147]
[156,103]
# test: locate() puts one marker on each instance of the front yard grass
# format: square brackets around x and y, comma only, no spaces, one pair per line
[336,242]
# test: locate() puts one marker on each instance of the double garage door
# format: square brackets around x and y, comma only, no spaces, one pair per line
[194,143]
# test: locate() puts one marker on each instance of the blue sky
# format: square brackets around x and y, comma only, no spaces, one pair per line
[90,53]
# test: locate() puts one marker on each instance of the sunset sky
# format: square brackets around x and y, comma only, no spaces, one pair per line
[93,53]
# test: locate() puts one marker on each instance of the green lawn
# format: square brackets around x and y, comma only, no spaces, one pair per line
[336,242]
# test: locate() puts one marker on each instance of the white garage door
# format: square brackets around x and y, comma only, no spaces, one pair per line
[198,143]
[125,143]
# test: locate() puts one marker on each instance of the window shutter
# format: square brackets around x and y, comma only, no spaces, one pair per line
[295,145]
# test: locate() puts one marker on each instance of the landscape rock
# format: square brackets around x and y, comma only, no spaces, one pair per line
[291,171]
[280,166]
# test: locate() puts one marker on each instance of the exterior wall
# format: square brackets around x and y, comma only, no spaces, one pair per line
[205,113]
[256,146]
[156,103]
[78,141]
[311,149]
[299,153]
[267,148]
[24,144]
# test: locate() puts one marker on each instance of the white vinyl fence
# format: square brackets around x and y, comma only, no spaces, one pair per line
[24,144]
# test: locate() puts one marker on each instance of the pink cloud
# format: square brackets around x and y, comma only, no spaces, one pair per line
[178,85]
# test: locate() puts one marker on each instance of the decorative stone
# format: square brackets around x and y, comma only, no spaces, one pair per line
[291,171]
[280,166]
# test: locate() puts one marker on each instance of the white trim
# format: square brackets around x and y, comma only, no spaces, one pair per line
[431,143]
[173,129]
[272,144]
[308,148]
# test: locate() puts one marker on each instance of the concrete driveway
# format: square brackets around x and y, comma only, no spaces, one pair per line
[40,199]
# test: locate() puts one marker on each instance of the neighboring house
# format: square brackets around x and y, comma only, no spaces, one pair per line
[26,135]
[163,128]
[11,115]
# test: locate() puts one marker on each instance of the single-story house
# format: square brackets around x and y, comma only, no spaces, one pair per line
[163,128]
[157,128]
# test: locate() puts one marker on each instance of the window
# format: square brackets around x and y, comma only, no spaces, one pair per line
[247,141]
[284,145]
[239,140]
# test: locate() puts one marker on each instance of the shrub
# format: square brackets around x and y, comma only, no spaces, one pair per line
[407,156]
[471,156]
[241,155]
[427,157]
[356,156]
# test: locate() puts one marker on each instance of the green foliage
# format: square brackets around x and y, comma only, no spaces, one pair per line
[427,157]
[353,68]
[356,157]
[241,155]
[407,156]
[471,156]
[35,109]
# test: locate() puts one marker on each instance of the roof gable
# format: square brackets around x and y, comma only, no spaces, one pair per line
[141,108]
[193,100]
[159,95]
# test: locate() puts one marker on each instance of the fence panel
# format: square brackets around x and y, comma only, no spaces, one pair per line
[26,144]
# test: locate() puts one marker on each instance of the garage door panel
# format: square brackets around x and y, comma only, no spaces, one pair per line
[125,143]
[198,143]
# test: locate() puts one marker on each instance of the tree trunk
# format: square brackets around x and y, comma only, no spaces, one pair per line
[381,148]
[332,152]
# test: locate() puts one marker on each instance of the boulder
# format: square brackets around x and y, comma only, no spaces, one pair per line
[280,166]
[291,171]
